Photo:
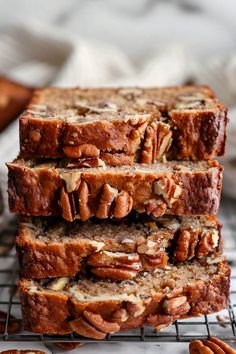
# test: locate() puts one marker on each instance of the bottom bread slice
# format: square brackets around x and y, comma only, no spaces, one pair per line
[93,308]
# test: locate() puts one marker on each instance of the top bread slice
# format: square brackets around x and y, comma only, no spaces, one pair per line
[125,125]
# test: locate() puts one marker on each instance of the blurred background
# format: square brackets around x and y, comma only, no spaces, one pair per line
[115,42]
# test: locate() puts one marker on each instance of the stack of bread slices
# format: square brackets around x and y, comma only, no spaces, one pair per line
[118,193]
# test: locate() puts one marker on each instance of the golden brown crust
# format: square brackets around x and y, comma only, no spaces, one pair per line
[119,254]
[52,312]
[157,189]
[140,125]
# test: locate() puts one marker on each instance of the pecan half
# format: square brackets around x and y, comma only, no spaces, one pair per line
[84,150]
[98,322]
[114,265]
[68,211]
[105,201]
[176,306]
[123,205]
[83,196]
[195,243]
[210,346]
[168,189]
[114,273]
[157,141]
[83,328]
[160,259]
[92,325]
[186,245]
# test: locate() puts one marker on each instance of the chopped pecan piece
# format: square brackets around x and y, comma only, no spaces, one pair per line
[84,150]
[92,325]
[85,162]
[72,180]
[107,258]
[120,315]
[157,141]
[212,345]
[160,321]
[123,205]
[168,189]
[136,309]
[207,243]
[176,306]
[155,207]
[105,201]
[175,292]
[59,283]
[114,273]
[159,259]
[116,266]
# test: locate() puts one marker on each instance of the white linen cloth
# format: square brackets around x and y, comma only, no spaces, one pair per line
[39,54]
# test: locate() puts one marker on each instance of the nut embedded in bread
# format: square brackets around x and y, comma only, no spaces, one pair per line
[52,188]
[116,250]
[92,307]
[125,125]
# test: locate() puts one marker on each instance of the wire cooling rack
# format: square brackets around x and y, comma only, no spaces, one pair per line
[221,325]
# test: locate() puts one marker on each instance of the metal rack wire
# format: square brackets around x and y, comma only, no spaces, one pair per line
[221,325]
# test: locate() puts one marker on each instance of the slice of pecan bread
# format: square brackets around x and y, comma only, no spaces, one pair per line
[93,308]
[116,250]
[51,188]
[123,126]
